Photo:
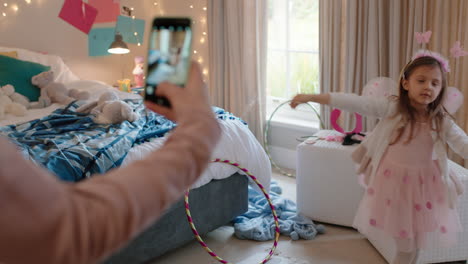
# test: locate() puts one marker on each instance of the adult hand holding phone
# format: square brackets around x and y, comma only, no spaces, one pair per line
[186,103]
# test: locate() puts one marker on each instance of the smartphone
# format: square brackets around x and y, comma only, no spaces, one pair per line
[169,55]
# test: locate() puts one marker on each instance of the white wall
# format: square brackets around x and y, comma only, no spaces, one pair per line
[37,27]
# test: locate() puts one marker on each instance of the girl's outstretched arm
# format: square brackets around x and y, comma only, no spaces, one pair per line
[364,105]
[305,98]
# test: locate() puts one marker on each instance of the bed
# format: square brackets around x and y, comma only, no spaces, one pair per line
[218,196]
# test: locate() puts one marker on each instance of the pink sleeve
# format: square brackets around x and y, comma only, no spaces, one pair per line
[46,221]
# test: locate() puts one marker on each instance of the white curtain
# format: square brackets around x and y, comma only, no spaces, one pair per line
[364,39]
[237,52]
[449,22]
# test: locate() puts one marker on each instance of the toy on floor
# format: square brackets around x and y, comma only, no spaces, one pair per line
[200,240]
[109,109]
[54,92]
[12,102]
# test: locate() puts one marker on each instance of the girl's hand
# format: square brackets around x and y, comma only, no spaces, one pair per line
[304,98]
[300,99]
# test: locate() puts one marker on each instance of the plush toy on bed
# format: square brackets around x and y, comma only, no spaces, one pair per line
[12,102]
[14,96]
[53,92]
[109,109]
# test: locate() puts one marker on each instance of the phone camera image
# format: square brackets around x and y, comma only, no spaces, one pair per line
[168,55]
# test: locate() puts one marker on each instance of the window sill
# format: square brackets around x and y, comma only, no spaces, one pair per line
[296,124]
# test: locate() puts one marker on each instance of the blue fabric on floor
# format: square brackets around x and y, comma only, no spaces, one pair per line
[258,223]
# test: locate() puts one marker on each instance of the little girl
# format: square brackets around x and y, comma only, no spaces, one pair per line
[403,163]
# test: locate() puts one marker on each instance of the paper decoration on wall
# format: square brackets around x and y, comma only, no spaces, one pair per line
[108,10]
[99,40]
[78,14]
[127,26]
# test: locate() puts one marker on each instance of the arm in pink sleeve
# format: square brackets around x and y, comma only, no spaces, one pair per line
[46,221]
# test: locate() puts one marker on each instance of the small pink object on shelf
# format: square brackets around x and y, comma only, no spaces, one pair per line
[138,72]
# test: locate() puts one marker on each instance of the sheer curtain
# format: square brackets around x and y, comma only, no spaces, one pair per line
[364,39]
[237,51]
[449,22]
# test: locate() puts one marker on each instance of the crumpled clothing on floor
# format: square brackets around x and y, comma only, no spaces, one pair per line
[258,222]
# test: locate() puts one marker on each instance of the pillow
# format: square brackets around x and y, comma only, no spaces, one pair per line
[12,54]
[62,73]
[19,73]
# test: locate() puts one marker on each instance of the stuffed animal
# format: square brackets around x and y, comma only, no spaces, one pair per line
[53,92]
[7,105]
[109,109]
[139,72]
[9,90]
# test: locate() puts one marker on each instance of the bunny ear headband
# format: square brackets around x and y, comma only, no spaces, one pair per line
[383,86]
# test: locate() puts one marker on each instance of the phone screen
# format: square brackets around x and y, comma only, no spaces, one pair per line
[168,55]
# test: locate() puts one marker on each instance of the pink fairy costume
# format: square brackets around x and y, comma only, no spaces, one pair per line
[410,192]
[407,198]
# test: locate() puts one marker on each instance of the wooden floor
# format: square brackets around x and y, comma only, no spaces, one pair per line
[339,245]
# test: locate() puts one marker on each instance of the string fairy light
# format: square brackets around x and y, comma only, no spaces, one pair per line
[135,33]
[156,4]
[198,12]
[11,7]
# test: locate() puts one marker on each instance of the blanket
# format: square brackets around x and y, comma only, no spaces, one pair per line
[258,223]
[73,147]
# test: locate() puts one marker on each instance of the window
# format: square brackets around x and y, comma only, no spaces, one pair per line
[293,58]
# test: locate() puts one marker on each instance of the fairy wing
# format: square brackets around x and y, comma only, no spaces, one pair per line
[380,86]
[453,100]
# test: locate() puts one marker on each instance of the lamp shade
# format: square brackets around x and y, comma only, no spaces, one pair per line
[118,46]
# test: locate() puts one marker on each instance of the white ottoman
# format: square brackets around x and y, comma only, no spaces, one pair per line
[327,185]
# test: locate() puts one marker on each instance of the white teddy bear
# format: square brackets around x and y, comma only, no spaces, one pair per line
[14,96]
[53,92]
[12,102]
[109,109]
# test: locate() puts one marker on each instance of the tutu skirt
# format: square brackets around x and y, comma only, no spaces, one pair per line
[407,200]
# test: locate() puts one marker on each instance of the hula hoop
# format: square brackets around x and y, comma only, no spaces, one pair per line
[200,240]
[267,128]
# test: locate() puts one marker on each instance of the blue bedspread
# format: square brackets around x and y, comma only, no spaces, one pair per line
[73,147]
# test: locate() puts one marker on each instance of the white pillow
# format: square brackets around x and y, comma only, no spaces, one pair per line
[97,88]
[61,71]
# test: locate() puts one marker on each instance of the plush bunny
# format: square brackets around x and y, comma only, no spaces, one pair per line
[9,90]
[7,105]
[109,109]
[53,92]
